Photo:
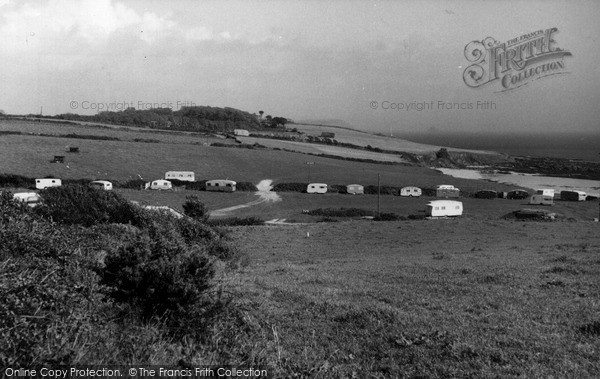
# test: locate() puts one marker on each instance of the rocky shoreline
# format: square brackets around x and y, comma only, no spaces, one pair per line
[546,166]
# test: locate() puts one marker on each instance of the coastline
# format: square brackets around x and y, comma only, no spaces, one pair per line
[526,180]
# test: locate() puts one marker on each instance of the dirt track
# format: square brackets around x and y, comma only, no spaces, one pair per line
[265,196]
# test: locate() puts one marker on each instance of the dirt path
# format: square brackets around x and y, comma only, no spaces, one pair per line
[265,195]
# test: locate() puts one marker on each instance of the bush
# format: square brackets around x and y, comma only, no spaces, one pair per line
[195,209]
[387,217]
[83,205]
[196,186]
[384,190]
[341,212]
[245,186]
[290,187]
[133,184]
[339,188]
[236,221]
[60,284]
[49,298]
[156,274]
[8,180]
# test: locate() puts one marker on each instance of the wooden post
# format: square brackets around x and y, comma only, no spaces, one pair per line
[378,197]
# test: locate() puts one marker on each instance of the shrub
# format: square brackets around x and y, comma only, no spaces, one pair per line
[290,187]
[9,180]
[49,298]
[133,184]
[195,209]
[196,186]
[236,221]
[86,206]
[387,217]
[384,190]
[341,212]
[155,274]
[339,188]
[246,186]
[327,219]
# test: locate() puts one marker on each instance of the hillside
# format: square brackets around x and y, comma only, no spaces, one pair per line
[188,118]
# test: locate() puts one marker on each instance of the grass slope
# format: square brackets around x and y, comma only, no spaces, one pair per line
[435,299]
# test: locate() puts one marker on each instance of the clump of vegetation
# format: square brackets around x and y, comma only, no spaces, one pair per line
[245,186]
[340,212]
[132,184]
[10,180]
[290,187]
[86,206]
[388,217]
[86,269]
[195,209]
[384,190]
[327,219]
[236,221]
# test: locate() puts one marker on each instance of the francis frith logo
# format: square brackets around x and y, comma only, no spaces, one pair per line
[516,62]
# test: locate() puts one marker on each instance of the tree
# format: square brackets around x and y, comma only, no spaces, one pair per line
[195,209]
[278,122]
[261,113]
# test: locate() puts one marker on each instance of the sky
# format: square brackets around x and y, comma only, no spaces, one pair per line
[361,62]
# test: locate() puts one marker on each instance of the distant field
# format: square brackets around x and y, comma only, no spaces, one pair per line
[125,159]
[383,142]
[311,148]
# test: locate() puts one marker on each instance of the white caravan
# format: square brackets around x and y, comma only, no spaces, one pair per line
[316,188]
[47,182]
[542,197]
[444,208]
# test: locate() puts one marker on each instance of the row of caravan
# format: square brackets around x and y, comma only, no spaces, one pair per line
[546,196]
[55,182]
[358,189]
[220,185]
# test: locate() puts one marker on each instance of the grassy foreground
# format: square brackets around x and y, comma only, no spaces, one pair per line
[428,299]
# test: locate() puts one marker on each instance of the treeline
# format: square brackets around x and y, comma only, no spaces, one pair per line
[196,118]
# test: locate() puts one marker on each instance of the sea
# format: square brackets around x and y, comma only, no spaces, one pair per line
[583,146]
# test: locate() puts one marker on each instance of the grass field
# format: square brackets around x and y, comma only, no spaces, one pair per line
[428,299]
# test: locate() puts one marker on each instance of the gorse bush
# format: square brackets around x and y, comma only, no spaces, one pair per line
[236,221]
[290,187]
[83,205]
[341,212]
[158,276]
[64,267]
[9,180]
[194,208]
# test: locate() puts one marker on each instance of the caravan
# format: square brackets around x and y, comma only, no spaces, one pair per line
[159,184]
[184,176]
[573,196]
[102,185]
[316,188]
[30,198]
[354,189]
[221,185]
[47,182]
[444,208]
[542,197]
[411,192]
[446,190]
